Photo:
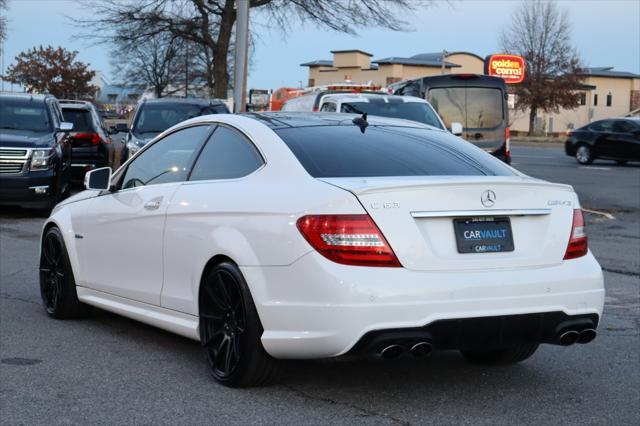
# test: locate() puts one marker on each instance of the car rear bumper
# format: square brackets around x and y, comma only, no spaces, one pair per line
[315,308]
[85,159]
[34,189]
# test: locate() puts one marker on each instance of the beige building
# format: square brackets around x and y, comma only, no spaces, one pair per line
[606,92]
[356,66]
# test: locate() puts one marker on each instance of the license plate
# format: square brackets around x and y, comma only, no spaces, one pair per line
[483,235]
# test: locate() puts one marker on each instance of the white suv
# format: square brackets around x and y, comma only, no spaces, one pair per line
[407,107]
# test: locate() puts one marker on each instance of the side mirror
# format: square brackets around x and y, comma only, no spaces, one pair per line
[65,127]
[121,128]
[456,128]
[99,179]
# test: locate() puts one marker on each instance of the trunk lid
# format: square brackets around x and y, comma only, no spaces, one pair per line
[416,217]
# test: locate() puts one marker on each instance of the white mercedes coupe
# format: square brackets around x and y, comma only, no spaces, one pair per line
[308,235]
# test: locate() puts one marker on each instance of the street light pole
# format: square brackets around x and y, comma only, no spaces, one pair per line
[242,45]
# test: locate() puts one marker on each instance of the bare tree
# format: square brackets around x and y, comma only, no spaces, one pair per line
[4,5]
[210,23]
[541,33]
[149,62]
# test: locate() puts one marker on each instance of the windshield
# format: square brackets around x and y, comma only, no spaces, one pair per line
[415,111]
[24,114]
[345,151]
[474,107]
[156,118]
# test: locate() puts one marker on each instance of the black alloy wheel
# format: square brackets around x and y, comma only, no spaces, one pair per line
[57,285]
[230,330]
[223,323]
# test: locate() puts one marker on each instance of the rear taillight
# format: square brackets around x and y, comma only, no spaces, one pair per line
[578,245]
[507,142]
[94,138]
[348,239]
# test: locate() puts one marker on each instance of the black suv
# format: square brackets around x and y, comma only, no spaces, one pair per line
[90,141]
[154,116]
[35,153]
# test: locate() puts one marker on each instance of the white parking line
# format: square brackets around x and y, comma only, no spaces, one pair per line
[594,168]
[607,215]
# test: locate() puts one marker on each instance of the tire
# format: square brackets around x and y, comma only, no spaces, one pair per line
[57,284]
[509,355]
[621,162]
[584,155]
[230,330]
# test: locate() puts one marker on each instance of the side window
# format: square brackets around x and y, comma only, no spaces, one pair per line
[167,160]
[227,155]
[56,115]
[602,126]
[328,107]
[622,126]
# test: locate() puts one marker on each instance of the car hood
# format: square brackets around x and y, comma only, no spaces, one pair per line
[80,196]
[24,139]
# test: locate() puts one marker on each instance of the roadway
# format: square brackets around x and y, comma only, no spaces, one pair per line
[109,370]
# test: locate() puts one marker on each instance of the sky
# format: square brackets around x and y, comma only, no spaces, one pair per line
[605,32]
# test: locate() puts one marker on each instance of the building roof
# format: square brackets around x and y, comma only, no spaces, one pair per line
[433,59]
[318,63]
[352,51]
[608,72]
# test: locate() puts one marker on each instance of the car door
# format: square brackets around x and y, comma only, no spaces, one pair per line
[603,142]
[121,245]
[205,211]
[627,140]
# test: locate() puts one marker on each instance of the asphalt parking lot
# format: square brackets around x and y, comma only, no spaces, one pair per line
[109,370]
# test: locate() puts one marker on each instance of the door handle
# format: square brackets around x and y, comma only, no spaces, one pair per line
[153,204]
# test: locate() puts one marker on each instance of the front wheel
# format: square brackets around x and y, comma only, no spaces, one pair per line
[509,355]
[230,330]
[57,284]
[584,155]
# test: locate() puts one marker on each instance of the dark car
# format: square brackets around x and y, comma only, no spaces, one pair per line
[478,102]
[35,152]
[154,116]
[612,139]
[90,141]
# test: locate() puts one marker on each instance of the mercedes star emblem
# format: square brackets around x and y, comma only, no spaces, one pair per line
[488,198]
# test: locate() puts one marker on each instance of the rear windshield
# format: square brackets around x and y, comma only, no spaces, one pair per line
[19,114]
[156,118]
[473,107]
[415,111]
[80,118]
[344,151]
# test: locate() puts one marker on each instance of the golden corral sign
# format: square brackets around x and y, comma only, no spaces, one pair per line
[508,67]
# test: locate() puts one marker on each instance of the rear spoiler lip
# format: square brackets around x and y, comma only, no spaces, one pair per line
[359,186]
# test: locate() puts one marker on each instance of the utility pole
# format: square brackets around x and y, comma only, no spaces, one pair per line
[444,57]
[242,46]
[186,71]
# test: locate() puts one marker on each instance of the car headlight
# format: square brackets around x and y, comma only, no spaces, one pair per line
[41,159]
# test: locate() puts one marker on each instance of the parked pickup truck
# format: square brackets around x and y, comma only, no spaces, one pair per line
[35,153]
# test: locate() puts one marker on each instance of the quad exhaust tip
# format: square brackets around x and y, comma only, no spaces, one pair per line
[421,349]
[568,337]
[392,351]
[587,335]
